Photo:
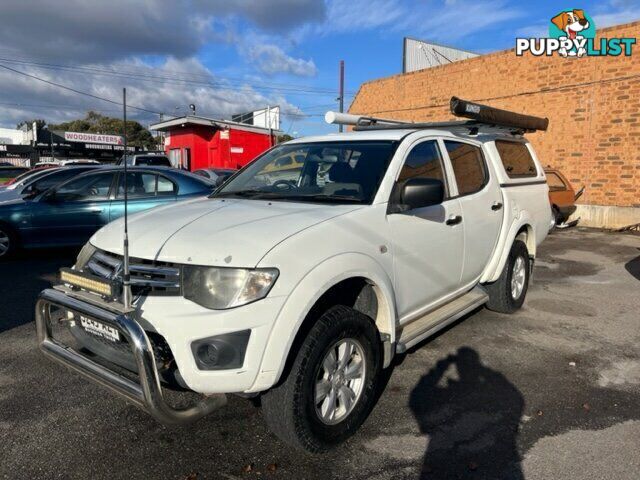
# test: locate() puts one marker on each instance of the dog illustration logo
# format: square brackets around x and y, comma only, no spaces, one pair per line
[574,26]
[572,34]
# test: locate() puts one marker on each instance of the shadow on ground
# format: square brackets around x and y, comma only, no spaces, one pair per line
[22,278]
[633,267]
[471,415]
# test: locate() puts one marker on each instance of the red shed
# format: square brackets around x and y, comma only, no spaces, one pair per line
[194,142]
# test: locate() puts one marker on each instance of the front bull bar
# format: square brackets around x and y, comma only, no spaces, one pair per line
[147,394]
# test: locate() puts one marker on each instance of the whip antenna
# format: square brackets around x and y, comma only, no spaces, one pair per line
[126,277]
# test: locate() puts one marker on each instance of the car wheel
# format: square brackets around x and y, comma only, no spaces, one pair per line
[331,386]
[507,294]
[8,242]
[555,218]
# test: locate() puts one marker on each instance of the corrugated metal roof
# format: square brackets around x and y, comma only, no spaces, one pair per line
[420,54]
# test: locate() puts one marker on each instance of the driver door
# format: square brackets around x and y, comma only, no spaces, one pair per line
[428,242]
[71,213]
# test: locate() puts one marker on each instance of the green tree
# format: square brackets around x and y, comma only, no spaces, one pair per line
[94,122]
[285,137]
[40,123]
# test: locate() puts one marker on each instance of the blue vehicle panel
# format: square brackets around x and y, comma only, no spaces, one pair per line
[69,213]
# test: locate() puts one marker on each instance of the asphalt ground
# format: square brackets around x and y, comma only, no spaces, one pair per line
[551,392]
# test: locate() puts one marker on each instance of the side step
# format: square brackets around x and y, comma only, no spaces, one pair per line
[423,327]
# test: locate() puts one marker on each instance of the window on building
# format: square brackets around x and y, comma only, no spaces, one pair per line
[175,155]
[516,159]
[468,166]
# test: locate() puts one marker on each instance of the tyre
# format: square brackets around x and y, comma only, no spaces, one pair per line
[8,242]
[507,294]
[331,386]
[555,218]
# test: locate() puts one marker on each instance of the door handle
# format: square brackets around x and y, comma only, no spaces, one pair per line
[454,220]
[496,206]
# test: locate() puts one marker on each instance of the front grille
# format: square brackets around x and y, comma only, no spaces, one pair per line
[148,277]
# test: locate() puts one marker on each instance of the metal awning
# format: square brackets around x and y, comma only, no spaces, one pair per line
[190,120]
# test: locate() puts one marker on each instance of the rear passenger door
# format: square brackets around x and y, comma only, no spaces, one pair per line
[145,190]
[480,198]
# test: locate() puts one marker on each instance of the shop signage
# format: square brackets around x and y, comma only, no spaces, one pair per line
[93,138]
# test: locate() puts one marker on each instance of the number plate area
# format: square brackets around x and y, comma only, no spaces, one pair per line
[99,329]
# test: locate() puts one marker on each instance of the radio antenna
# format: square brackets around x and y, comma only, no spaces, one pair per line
[126,276]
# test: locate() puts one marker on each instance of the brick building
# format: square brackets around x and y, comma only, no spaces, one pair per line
[593,104]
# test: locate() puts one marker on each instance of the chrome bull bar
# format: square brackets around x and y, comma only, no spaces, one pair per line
[147,394]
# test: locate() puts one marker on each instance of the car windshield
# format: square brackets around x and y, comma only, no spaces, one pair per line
[337,172]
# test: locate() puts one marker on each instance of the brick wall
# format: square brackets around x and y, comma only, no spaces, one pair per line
[593,105]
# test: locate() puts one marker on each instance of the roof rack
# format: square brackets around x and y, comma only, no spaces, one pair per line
[480,117]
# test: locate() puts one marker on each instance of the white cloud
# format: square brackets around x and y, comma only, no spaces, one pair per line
[604,20]
[98,31]
[271,59]
[448,20]
[356,15]
[270,15]
[467,18]
[212,96]
[616,12]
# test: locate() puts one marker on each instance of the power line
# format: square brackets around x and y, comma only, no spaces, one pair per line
[58,107]
[190,74]
[285,88]
[80,92]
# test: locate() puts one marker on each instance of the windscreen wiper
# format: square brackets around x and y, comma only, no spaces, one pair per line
[239,193]
[311,197]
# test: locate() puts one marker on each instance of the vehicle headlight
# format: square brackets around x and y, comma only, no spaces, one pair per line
[221,288]
[84,256]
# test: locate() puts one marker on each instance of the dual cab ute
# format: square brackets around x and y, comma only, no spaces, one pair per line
[302,290]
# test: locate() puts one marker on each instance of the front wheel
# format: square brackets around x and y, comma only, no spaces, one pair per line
[331,387]
[506,295]
[8,242]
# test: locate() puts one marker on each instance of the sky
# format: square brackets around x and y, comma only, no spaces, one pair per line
[227,56]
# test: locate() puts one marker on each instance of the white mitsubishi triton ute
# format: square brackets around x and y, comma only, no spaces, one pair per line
[303,275]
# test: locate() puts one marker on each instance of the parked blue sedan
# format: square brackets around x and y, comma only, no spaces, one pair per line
[69,213]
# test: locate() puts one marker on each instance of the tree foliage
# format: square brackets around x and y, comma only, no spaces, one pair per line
[40,123]
[285,137]
[94,122]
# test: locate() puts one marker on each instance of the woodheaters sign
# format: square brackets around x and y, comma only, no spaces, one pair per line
[93,138]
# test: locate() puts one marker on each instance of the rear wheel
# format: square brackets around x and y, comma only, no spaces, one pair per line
[331,387]
[507,294]
[555,217]
[8,242]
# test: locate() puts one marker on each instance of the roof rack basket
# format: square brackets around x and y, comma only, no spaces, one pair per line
[478,116]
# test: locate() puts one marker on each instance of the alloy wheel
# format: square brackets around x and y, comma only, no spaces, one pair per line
[340,381]
[518,278]
[5,243]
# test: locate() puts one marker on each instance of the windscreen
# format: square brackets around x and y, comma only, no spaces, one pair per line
[339,172]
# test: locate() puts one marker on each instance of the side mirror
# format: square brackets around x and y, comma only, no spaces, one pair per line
[49,197]
[30,192]
[421,192]
[221,179]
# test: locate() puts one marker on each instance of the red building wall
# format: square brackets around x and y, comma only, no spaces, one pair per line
[210,147]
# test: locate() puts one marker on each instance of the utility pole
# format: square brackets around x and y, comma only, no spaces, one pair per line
[341,97]
[268,119]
